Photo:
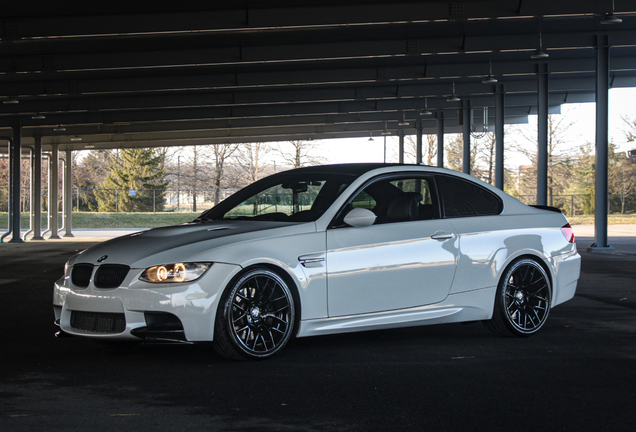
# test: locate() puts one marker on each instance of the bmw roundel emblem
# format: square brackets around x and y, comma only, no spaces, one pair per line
[102,258]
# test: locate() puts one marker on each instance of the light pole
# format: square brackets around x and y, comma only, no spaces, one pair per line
[178,184]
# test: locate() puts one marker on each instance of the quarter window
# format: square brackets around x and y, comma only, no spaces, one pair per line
[462,198]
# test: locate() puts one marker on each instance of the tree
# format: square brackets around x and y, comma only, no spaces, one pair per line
[250,159]
[560,156]
[89,172]
[300,154]
[195,174]
[130,171]
[583,179]
[221,153]
[485,148]
[622,176]
[630,128]
[429,149]
[454,153]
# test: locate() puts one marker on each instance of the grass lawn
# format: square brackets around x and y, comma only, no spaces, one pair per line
[153,220]
[113,220]
[611,219]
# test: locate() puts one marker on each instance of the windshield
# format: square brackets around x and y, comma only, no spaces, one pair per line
[295,196]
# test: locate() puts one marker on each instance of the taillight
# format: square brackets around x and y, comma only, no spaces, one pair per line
[568,233]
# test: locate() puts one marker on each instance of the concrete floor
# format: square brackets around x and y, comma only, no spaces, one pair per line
[577,374]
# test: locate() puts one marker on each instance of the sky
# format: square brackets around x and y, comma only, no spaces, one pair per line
[622,102]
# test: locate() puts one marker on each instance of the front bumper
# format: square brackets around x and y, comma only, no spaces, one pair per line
[127,312]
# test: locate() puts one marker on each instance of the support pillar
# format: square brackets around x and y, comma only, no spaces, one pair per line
[419,151]
[602,147]
[466,135]
[542,149]
[401,148]
[68,194]
[499,136]
[36,187]
[440,139]
[53,192]
[16,162]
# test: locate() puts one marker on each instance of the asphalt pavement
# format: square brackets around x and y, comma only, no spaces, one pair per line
[577,374]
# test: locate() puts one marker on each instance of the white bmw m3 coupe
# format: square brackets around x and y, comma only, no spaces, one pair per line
[322,250]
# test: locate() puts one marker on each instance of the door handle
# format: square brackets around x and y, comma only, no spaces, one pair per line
[442,235]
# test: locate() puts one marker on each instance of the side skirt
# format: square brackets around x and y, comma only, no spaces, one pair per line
[467,306]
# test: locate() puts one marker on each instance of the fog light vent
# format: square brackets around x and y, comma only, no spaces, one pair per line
[98,322]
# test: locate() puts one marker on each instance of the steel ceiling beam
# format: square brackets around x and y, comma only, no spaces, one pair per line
[122,18]
[253,67]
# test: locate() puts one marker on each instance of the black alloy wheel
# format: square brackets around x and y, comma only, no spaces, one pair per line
[256,316]
[522,303]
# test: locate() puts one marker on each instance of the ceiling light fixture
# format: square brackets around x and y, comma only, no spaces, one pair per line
[610,18]
[10,101]
[490,79]
[403,122]
[453,97]
[385,131]
[59,128]
[426,111]
[76,138]
[371,136]
[540,54]
[38,116]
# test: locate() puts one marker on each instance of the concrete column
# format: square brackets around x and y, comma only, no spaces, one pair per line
[68,194]
[542,149]
[499,136]
[36,199]
[401,148]
[15,162]
[602,149]
[53,192]
[466,135]
[10,149]
[440,139]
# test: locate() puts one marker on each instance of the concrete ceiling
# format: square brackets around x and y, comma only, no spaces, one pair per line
[116,74]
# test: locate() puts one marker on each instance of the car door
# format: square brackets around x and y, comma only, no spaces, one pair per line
[407,258]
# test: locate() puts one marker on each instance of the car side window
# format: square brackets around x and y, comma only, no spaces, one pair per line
[400,199]
[461,198]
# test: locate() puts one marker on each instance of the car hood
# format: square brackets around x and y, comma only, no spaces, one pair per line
[191,241]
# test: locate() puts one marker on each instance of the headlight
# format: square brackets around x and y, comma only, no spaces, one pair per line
[178,272]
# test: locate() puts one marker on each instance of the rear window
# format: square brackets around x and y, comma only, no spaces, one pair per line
[462,198]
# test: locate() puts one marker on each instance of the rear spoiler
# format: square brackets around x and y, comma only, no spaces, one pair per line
[549,208]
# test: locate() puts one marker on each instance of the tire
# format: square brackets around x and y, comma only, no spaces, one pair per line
[522,302]
[256,316]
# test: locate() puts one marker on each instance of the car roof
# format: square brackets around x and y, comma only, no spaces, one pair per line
[356,169]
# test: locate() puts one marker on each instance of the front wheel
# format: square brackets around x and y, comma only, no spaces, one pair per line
[256,316]
[522,302]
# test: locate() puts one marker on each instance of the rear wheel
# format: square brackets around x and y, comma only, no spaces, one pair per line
[256,316]
[522,303]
